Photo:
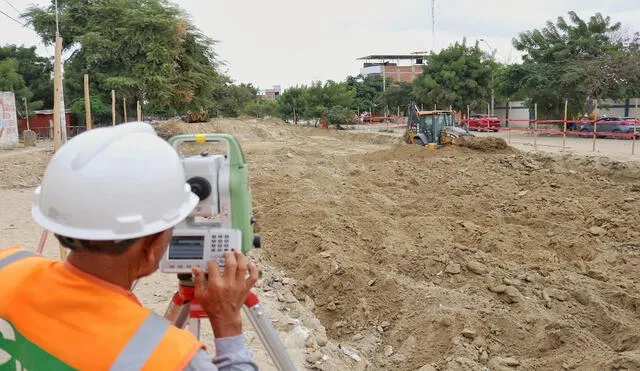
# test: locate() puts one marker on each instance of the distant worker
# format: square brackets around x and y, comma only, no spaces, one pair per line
[112,196]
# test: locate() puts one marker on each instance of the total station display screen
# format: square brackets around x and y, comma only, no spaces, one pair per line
[186,248]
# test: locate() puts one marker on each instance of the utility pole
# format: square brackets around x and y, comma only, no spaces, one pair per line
[57,84]
[433,25]
[493,59]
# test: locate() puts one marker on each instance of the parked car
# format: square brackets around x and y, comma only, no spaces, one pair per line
[611,126]
[482,122]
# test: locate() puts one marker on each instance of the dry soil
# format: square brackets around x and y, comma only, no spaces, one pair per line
[453,259]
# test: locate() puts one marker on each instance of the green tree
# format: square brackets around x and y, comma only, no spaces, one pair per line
[457,76]
[262,108]
[12,80]
[572,59]
[338,116]
[100,111]
[293,103]
[398,96]
[321,98]
[231,100]
[368,91]
[35,71]
[146,50]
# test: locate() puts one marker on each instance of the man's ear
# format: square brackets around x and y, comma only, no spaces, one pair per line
[149,247]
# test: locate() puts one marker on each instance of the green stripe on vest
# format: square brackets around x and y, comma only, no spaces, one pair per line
[18,353]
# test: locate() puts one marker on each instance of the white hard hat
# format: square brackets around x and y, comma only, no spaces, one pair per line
[113,183]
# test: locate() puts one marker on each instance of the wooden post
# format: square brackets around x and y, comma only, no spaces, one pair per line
[57,85]
[564,133]
[113,107]
[138,111]
[535,126]
[124,108]
[87,102]
[635,127]
[595,125]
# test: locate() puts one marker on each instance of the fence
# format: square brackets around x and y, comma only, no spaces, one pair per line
[593,129]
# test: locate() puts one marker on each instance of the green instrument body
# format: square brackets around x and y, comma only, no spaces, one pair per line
[240,191]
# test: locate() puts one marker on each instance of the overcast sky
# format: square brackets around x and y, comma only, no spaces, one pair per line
[289,42]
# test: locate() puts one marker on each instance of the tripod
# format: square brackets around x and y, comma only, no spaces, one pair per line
[184,308]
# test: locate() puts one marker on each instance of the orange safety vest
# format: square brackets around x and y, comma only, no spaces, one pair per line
[56,317]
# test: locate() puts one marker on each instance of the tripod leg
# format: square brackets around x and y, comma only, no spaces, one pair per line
[267,334]
[178,311]
[43,239]
[194,327]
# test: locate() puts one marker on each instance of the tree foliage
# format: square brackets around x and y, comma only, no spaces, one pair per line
[459,75]
[329,100]
[146,50]
[27,75]
[572,59]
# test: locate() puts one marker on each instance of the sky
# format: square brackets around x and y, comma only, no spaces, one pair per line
[292,42]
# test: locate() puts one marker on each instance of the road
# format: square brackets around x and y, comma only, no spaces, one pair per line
[619,149]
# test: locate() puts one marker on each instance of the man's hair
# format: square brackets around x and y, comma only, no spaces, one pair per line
[101,247]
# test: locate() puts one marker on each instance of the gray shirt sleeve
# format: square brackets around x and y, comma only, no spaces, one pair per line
[231,355]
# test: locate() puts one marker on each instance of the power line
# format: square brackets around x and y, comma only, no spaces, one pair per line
[13,19]
[11,5]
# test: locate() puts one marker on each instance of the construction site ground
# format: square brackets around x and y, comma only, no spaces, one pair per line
[380,255]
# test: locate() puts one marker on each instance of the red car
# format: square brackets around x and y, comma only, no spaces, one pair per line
[481,122]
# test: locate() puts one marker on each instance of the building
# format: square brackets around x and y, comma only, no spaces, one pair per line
[270,94]
[41,122]
[397,67]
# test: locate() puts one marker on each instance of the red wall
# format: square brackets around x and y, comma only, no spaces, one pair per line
[40,124]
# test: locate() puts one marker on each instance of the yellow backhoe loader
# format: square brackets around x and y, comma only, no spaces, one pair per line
[432,128]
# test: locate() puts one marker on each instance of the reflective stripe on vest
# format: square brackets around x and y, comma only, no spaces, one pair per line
[133,338]
[139,348]
[15,257]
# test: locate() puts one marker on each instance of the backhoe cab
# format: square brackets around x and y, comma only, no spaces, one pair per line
[432,128]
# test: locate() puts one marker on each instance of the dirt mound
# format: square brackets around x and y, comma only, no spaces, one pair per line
[458,258]
[484,144]
[465,257]
[462,258]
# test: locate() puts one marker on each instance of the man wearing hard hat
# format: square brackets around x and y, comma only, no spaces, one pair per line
[112,196]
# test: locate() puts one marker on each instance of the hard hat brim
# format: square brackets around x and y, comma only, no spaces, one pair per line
[109,235]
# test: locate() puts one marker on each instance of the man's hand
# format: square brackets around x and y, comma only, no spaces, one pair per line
[222,295]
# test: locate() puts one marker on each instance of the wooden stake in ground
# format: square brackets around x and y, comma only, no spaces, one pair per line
[124,108]
[57,85]
[138,111]
[87,102]
[595,125]
[113,107]
[635,127]
[564,133]
[535,126]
